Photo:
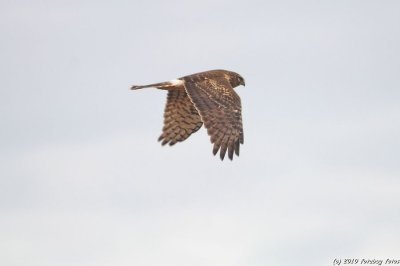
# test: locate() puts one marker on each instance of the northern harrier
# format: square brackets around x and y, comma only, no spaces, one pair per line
[206,97]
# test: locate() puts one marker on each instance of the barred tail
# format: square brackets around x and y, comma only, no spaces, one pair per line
[162,85]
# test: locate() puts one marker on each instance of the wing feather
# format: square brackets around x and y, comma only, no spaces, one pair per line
[181,118]
[220,110]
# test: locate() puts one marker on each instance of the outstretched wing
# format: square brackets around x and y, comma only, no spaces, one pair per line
[181,118]
[221,112]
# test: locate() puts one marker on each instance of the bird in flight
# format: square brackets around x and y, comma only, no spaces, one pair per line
[206,97]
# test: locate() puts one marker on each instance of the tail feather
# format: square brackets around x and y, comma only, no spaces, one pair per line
[137,87]
[162,85]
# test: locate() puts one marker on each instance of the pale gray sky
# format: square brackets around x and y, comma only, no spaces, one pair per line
[83,180]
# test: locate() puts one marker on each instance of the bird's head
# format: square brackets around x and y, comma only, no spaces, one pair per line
[236,80]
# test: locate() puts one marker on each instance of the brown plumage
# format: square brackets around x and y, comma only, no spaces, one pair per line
[207,97]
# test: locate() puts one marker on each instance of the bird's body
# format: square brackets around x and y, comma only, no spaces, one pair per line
[206,97]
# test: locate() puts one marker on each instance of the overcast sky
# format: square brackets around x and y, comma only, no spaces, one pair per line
[83,180]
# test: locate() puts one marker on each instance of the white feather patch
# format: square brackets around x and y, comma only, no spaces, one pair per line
[176,82]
